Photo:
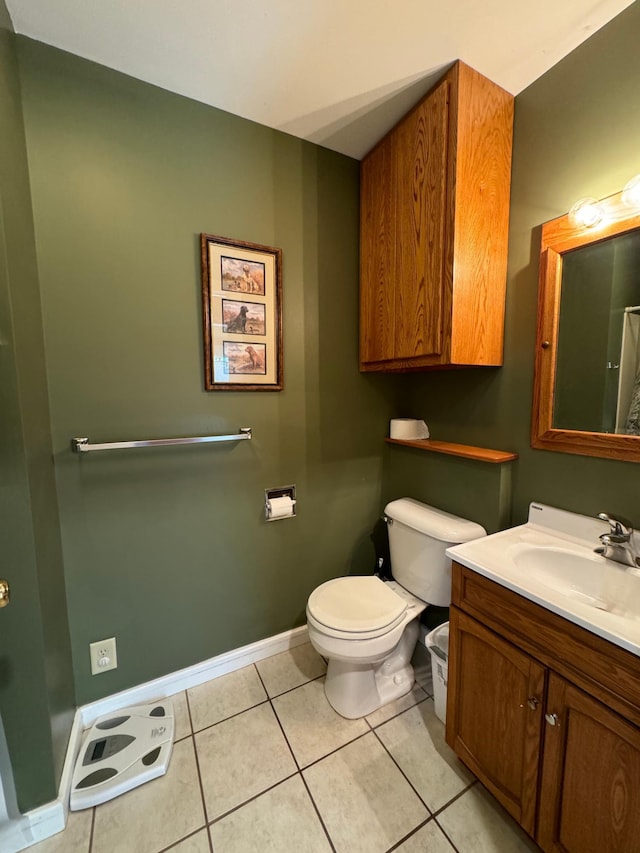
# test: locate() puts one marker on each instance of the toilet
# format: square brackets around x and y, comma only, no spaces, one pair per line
[367,628]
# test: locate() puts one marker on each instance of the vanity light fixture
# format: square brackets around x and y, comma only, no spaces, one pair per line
[631,192]
[586,213]
[589,212]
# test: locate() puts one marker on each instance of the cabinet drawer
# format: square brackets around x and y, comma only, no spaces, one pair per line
[599,667]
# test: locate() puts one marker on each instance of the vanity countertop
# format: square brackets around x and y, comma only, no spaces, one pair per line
[550,560]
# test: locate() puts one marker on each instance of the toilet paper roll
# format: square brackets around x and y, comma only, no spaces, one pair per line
[281,507]
[408,429]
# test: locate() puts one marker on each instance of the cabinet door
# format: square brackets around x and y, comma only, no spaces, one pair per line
[377,253]
[590,792]
[421,203]
[494,714]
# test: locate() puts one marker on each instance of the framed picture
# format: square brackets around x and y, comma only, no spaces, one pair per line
[242,315]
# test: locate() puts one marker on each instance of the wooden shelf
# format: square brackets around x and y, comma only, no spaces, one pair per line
[481,454]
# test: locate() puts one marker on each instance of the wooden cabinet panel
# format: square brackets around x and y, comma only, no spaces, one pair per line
[494,723]
[377,253]
[421,157]
[483,180]
[434,221]
[590,792]
[572,780]
[604,670]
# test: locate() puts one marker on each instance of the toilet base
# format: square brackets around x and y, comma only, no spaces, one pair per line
[354,690]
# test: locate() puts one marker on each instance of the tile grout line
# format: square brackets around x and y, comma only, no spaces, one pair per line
[333,751]
[322,757]
[236,808]
[231,716]
[410,834]
[432,814]
[202,797]
[291,689]
[388,720]
[303,780]
[250,707]
[433,819]
[392,757]
[269,699]
[446,834]
[348,742]
[93,824]
[280,726]
[317,810]
[174,844]
[445,807]
[299,773]
[211,821]
[453,799]
[251,799]
[371,728]
[197,757]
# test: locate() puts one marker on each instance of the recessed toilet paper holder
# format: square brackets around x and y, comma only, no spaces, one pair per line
[270,511]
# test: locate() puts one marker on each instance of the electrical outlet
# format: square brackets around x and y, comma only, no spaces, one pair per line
[103,656]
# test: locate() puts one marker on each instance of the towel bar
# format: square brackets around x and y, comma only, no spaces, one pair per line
[82,445]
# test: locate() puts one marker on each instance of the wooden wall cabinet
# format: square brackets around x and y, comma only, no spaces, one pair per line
[434,218]
[547,715]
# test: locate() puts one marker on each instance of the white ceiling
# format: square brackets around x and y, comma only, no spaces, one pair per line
[336,72]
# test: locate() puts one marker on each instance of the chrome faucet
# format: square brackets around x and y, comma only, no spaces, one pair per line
[617,544]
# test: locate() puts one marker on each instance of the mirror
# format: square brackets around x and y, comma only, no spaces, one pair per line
[587,376]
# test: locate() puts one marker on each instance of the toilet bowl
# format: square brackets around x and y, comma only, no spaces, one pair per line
[370,643]
[367,628]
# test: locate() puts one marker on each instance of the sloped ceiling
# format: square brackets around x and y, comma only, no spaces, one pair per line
[336,72]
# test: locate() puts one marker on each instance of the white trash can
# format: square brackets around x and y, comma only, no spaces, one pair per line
[437,641]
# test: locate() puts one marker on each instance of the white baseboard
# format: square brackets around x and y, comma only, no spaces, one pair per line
[32,827]
[191,676]
[47,820]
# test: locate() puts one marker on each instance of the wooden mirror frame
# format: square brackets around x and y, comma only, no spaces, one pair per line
[559,236]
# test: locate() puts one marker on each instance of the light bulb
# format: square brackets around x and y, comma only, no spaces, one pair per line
[631,192]
[586,213]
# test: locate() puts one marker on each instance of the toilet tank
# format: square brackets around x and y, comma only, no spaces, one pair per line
[419,535]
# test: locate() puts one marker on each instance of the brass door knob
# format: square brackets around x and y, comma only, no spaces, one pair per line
[4,593]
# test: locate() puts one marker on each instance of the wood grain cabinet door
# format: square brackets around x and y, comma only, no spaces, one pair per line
[403,186]
[590,791]
[494,714]
[421,162]
[378,190]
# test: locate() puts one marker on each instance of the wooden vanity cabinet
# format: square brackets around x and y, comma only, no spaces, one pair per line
[434,216]
[590,785]
[547,716]
[496,734]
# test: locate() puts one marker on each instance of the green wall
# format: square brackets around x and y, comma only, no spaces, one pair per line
[576,134]
[167,549]
[36,682]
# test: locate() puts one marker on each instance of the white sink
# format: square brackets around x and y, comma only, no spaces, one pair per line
[551,560]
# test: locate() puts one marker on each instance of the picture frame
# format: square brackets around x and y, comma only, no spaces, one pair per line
[242,315]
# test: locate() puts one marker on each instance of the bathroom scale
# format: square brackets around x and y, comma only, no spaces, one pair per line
[121,751]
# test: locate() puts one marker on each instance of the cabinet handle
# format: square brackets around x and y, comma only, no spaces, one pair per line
[552,719]
[533,703]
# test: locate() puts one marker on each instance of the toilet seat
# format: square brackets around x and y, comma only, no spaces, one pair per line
[361,607]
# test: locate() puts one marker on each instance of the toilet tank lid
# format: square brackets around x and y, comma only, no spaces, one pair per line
[433,522]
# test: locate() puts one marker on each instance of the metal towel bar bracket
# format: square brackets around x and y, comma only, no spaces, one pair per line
[82,445]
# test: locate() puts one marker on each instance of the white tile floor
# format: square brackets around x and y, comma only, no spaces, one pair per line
[262,763]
